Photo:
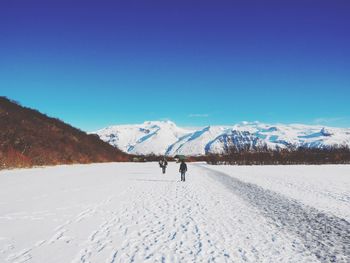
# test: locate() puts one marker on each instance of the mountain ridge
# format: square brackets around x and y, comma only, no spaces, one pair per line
[166,138]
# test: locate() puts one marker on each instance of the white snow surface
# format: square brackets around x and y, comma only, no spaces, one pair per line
[165,137]
[325,187]
[130,212]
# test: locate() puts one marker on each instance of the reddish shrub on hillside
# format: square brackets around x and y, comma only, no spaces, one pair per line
[28,138]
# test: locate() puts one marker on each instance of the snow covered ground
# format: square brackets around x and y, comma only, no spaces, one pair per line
[122,212]
[325,187]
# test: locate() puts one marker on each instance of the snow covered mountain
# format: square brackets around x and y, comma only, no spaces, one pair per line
[165,138]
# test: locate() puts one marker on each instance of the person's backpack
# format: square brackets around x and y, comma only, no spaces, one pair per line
[183,167]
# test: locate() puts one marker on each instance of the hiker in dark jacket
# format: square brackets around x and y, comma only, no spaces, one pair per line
[183,170]
[163,164]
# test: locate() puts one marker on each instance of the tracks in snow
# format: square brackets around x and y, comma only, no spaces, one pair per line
[157,230]
[326,236]
[169,221]
[211,218]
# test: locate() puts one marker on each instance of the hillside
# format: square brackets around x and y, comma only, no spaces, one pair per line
[28,138]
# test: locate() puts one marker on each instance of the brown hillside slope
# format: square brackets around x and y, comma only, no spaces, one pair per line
[28,137]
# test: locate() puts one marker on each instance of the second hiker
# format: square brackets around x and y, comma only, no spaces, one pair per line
[163,164]
[183,170]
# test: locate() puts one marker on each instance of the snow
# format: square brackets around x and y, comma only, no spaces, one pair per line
[196,143]
[325,187]
[151,137]
[130,212]
[165,137]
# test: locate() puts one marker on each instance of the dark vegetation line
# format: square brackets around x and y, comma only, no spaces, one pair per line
[331,155]
[266,157]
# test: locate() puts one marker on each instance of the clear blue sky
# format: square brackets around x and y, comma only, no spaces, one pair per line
[96,63]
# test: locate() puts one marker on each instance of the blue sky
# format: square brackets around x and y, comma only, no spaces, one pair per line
[96,63]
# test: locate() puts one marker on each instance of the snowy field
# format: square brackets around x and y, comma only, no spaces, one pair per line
[122,212]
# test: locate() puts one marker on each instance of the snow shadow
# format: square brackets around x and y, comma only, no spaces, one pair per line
[324,235]
[154,180]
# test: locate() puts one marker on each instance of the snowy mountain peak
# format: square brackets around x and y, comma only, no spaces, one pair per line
[165,137]
[325,132]
[159,123]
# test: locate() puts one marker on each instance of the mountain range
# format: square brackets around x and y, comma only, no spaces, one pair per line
[166,138]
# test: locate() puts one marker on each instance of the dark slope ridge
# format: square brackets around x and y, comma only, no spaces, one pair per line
[30,138]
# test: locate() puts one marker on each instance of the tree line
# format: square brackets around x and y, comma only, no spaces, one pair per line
[264,156]
[301,155]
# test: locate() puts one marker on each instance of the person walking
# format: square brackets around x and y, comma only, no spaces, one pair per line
[183,170]
[163,164]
